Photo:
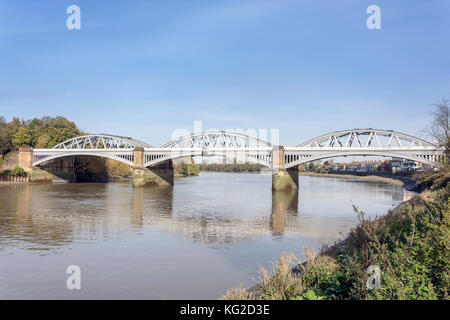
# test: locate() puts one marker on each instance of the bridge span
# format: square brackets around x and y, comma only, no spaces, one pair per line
[154,164]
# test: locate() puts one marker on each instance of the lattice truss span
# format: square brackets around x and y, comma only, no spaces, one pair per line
[108,146]
[101,142]
[213,143]
[364,142]
[155,156]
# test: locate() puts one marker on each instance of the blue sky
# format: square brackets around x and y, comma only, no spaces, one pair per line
[145,68]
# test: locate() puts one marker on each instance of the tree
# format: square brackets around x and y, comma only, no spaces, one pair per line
[43,141]
[13,127]
[36,127]
[45,132]
[22,137]
[439,129]
[58,129]
[5,137]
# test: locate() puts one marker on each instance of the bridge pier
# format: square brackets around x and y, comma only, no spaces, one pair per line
[161,175]
[282,179]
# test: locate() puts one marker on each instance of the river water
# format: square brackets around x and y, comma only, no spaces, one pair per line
[193,241]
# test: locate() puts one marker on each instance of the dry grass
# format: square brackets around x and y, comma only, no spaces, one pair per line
[289,278]
[239,294]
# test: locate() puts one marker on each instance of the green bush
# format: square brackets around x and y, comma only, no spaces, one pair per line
[5,172]
[18,172]
[187,169]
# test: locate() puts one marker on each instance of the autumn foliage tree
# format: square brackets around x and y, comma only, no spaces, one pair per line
[45,132]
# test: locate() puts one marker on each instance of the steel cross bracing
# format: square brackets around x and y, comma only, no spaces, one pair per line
[213,143]
[217,139]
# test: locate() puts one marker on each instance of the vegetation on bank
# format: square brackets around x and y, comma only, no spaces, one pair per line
[16,172]
[186,169]
[433,179]
[235,167]
[313,167]
[410,245]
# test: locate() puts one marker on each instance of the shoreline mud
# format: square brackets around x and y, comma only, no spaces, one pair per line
[407,183]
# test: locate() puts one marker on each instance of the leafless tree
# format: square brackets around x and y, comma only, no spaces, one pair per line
[439,129]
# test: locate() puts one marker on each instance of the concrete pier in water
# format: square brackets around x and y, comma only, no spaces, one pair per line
[161,174]
[283,179]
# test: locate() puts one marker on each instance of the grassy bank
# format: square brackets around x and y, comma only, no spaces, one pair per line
[410,245]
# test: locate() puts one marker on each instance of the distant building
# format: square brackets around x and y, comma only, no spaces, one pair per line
[409,165]
[399,164]
[338,167]
[354,167]
[369,166]
[396,164]
[385,166]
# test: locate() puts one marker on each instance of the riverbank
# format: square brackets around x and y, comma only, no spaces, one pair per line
[405,253]
[234,167]
[409,183]
[400,180]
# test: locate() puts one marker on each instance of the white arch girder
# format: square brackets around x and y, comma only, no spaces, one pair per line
[43,155]
[366,138]
[100,142]
[216,139]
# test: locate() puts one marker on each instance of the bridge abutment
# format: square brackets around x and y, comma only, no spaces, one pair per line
[282,178]
[161,175]
[36,175]
[26,158]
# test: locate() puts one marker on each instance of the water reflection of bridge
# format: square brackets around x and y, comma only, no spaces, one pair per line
[219,230]
[283,219]
[28,218]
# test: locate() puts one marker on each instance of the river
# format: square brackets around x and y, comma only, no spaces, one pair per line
[193,241]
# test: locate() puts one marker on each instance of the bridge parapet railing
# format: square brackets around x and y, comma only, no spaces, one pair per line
[426,154]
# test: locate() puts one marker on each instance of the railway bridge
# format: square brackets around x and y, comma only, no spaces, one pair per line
[153,165]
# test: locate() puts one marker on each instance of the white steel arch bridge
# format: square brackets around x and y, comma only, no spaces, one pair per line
[354,142]
[364,142]
[101,145]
